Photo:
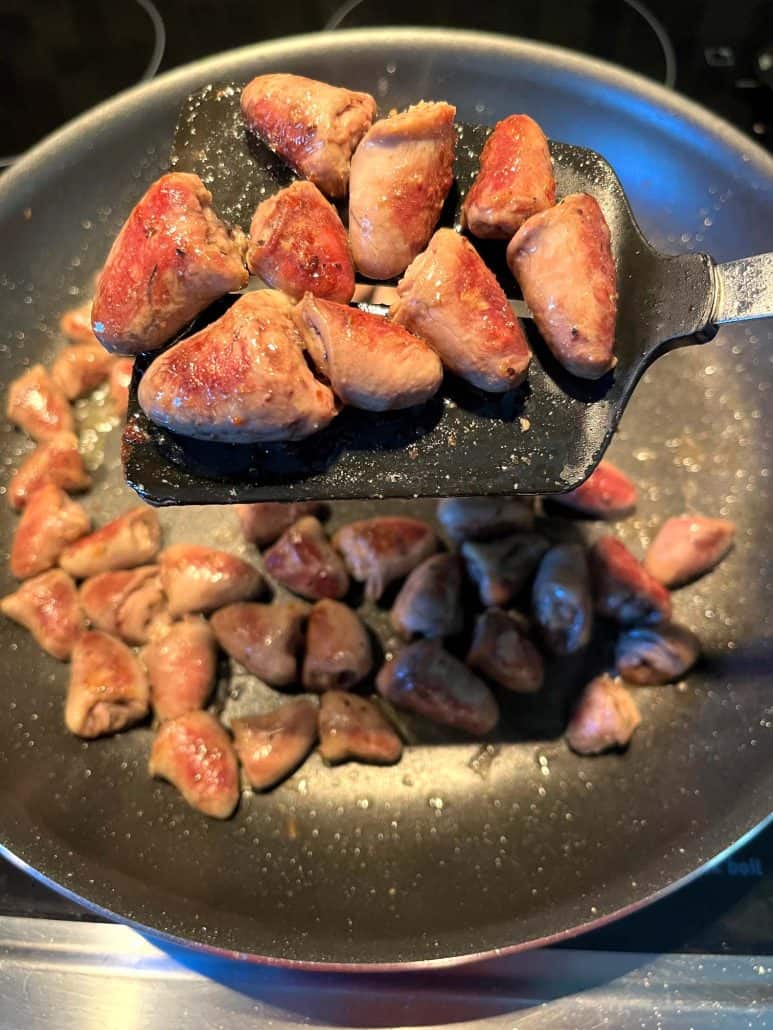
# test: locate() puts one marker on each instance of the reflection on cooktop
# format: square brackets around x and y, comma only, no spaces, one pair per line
[84,51]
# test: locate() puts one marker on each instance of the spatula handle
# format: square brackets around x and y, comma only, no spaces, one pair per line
[743,289]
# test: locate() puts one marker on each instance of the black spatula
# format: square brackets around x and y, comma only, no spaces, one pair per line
[545,437]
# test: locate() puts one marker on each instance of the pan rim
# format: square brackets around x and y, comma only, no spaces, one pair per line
[410,965]
[459,39]
[579,65]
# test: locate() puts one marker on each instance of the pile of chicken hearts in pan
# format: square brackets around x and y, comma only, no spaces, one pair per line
[281,362]
[142,624]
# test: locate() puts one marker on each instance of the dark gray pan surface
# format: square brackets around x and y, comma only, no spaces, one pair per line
[452,852]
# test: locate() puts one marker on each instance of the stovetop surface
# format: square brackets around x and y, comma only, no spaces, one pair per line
[84,51]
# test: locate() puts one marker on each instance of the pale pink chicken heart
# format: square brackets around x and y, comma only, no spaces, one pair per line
[654,655]
[484,518]
[37,405]
[605,717]
[352,727]
[263,522]
[242,379]
[196,578]
[57,461]
[108,689]
[401,174]
[132,539]
[298,245]
[562,600]
[271,745]
[425,679]
[181,661]
[81,368]
[314,126]
[124,603]
[304,561]
[171,260]
[338,650]
[264,638]
[379,550]
[450,298]
[75,324]
[515,180]
[562,260]
[369,362]
[502,568]
[195,754]
[49,607]
[49,523]
[606,494]
[688,546]
[502,651]
[430,600]
[623,589]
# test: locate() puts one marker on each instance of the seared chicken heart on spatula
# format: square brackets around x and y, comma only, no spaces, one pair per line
[562,259]
[242,379]
[368,362]
[515,180]
[450,298]
[298,244]
[315,127]
[401,174]
[171,259]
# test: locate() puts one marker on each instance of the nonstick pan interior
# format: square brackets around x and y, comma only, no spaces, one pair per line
[460,849]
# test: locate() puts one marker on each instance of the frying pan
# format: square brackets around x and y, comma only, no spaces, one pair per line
[462,848]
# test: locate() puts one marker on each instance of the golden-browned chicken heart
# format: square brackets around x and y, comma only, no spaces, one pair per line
[196,578]
[49,523]
[48,606]
[125,602]
[369,362]
[242,379]
[57,461]
[171,259]
[134,538]
[108,689]
[449,297]
[181,660]
[38,406]
[298,245]
[401,174]
[315,127]
[515,180]
[562,259]
[195,754]
[351,727]
[272,744]
[79,369]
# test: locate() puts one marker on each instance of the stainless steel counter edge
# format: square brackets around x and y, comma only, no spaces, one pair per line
[71,975]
